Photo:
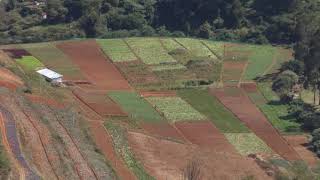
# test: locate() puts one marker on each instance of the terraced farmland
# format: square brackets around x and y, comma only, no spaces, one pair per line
[117,50]
[196,47]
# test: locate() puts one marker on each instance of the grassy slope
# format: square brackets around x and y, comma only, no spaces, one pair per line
[29,63]
[117,50]
[196,47]
[213,109]
[136,106]
[276,113]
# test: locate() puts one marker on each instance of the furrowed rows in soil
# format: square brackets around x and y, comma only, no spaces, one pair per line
[240,104]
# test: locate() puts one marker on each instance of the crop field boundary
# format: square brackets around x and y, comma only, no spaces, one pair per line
[212,51]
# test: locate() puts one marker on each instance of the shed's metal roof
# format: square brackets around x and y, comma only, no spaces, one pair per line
[49,73]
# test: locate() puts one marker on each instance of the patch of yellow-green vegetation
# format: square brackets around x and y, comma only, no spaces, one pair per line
[175,109]
[122,148]
[170,44]
[166,67]
[215,46]
[117,50]
[196,47]
[30,63]
[247,143]
[150,50]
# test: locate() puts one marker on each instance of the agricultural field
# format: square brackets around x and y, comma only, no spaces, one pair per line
[138,108]
[196,47]
[216,47]
[170,44]
[175,109]
[208,105]
[117,50]
[30,63]
[150,50]
[247,143]
[168,67]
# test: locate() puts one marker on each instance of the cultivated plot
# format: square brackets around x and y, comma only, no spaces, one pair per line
[170,44]
[196,47]
[117,50]
[175,109]
[137,108]
[29,63]
[215,46]
[150,50]
[55,59]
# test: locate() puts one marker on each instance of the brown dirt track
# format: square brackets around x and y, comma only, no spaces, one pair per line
[248,113]
[300,143]
[92,62]
[165,159]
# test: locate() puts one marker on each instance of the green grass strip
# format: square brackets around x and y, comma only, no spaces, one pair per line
[171,44]
[175,109]
[247,143]
[29,63]
[208,105]
[122,148]
[275,112]
[138,108]
[196,47]
[117,50]
[215,46]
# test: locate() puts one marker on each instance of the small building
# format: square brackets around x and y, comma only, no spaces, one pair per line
[50,75]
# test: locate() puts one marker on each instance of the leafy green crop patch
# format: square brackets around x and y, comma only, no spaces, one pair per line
[208,105]
[150,50]
[175,109]
[30,63]
[196,47]
[215,46]
[247,143]
[117,50]
[170,44]
[138,108]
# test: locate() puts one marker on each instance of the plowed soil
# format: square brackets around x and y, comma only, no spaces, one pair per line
[165,159]
[301,143]
[158,93]
[105,144]
[248,113]
[9,80]
[45,101]
[99,102]
[232,72]
[205,135]
[250,87]
[164,130]
[92,62]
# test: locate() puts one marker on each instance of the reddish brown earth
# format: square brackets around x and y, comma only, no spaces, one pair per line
[88,56]
[158,93]
[45,101]
[164,130]
[9,80]
[105,144]
[250,87]
[136,72]
[164,159]
[241,105]
[232,72]
[99,102]
[300,143]
[205,135]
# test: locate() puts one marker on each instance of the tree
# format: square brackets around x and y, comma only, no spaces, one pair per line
[284,84]
[56,12]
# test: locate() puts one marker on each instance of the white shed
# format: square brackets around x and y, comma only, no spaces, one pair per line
[50,75]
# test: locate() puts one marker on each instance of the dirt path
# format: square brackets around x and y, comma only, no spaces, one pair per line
[92,62]
[239,103]
[10,136]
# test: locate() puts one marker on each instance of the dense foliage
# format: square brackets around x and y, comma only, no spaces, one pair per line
[259,21]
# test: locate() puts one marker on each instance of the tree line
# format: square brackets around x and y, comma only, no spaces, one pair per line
[255,21]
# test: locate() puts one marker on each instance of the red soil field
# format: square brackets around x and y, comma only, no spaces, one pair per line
[158,93]
[136,72]
[105,143]
[164,159]
[43,100]
[9,80]
[17,53]
[250,87]
[248,113]
[205,135]
[232,72]
[99,102]
[88,56]
[300,143]
[164,130]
